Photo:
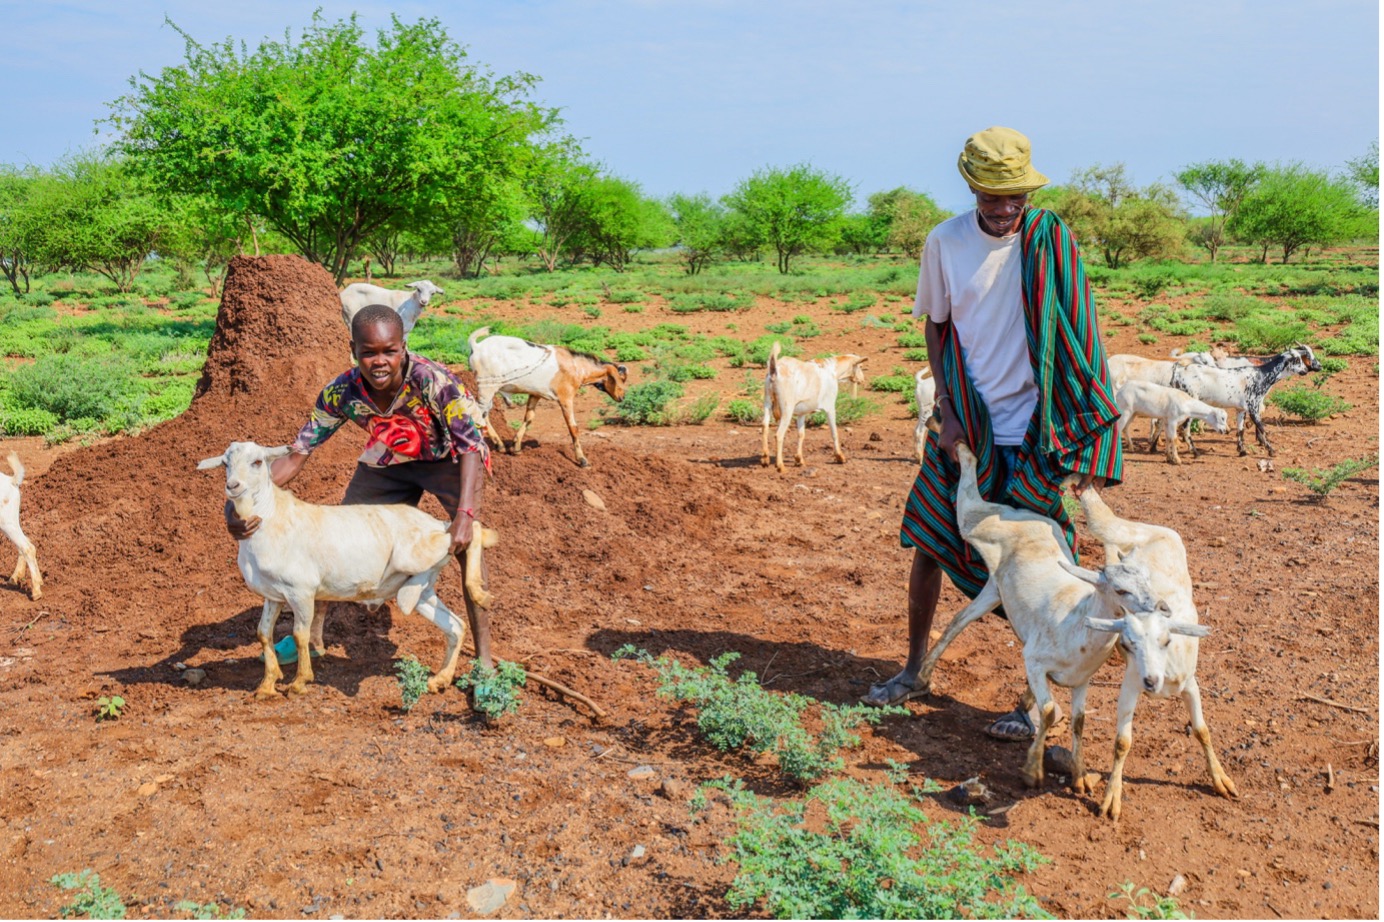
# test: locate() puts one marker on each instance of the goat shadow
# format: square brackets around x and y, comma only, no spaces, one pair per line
[364,635]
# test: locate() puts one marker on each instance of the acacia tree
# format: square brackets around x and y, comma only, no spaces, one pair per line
[15,185]
[1364,172]
[1107,212]
[555,184]
[1293,207]
[1221,186]
[618,220]
[912,216]
[329,138]
[201,234]
[91,213]
[793,210]
[699,224]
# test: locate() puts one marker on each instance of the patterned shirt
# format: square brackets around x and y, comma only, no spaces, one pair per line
[432,417]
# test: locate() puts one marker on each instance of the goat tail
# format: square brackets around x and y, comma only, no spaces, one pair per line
[773,358]
[476,335]
[17,466]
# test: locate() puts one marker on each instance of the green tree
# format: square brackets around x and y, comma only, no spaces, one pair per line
[329,138]
[617,220]
[91,213]
[861,234]
[912,216]
[699,223]
[1293,207]
[1107,212]
[555,185]
[1220,186]
[1364,172]
[15,186]
[203,235]
[793,210]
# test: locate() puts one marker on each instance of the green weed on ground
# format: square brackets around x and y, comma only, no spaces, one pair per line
[1145,904]
[494,691]
[413,680]
[1308,403]
[849,850]
[1322,481]
[91,899]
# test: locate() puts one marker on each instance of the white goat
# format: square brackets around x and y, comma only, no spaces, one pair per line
[794,389]
[9,527]
[1169,406]
[925,391]
[303,553]
[1244,388]
[510,365]
[1063,617]
[407,303]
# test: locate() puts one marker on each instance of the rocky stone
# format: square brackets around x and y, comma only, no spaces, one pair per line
[1058,760]
[672,789]
[969,793]
[642,772]
[1178,885]
[592,500]
[194,677]
[148,789]
[555,742]
[490,896]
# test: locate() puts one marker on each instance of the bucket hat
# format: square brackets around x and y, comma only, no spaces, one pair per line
[997,161]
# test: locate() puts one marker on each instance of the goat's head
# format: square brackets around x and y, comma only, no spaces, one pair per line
[1220,421]
[1308,359]
[424,290]
[613,384]
[247,472]
[1145,626]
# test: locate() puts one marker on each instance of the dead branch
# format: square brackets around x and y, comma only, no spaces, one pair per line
[1335,704]
[561,689]
[32,622]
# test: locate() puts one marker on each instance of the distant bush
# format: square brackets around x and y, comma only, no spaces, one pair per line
[700,410]
[757,351]
[1308,403]
[26,421]
[858,301]
[625,297]
[893,384]
[72,387]
[745,412]
[1323,481]
[849,410]
[1265,334]
[648,404]
[913,340]
[709,301]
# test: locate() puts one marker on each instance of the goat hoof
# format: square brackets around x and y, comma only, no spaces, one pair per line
[266,692]
[438,684]
[298,688]
[582,462]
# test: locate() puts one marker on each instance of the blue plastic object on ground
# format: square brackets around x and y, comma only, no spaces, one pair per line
[287,651]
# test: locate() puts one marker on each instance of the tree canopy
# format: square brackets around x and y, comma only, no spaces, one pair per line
[1220,186]
[793,209]
[1108,213]
[328,138]
[1293,206]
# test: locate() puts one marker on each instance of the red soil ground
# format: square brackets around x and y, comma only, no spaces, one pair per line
[337,803]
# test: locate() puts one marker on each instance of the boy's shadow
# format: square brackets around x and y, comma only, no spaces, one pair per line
[364,635]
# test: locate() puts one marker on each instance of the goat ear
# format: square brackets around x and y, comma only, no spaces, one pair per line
[624,374]
[207,464]
[1188,630]
[1106,625]
[278,452]
[1083,574]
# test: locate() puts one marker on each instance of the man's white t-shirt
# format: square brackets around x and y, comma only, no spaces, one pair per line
[973,280]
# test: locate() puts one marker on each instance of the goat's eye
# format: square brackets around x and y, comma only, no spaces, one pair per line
[257,462]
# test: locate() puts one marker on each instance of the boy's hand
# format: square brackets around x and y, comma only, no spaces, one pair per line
[462,531]
[239,528]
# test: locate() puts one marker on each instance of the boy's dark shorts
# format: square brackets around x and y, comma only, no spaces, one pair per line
[406,483]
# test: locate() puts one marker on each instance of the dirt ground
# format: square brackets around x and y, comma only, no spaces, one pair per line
[336,803]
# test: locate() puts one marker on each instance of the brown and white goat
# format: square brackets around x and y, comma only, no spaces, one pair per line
[510,365]
[9,527]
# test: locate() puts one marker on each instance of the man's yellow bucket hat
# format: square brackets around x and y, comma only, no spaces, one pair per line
[997,161]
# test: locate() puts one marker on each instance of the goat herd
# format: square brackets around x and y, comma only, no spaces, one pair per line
[1068,619]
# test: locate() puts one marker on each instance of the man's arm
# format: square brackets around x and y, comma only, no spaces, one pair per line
[952,432]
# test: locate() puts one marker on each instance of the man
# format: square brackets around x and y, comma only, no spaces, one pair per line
[422,439]
[1021,379]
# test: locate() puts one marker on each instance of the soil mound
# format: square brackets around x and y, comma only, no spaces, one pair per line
[130,533]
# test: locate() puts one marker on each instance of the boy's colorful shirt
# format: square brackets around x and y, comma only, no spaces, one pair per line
[432,418]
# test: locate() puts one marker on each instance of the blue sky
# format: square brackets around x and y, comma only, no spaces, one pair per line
[693,95]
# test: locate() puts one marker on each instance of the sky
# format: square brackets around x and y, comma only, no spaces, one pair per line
[695,95]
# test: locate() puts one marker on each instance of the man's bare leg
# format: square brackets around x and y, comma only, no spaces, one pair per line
[924,587]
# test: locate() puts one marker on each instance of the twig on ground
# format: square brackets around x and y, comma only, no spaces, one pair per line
[791,675]
[1373,822]
[22,628]
[1335,704]
[561,689]
[1330,778]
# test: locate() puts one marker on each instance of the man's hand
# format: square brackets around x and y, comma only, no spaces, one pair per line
[239,528]
[953,433]
[1086,481]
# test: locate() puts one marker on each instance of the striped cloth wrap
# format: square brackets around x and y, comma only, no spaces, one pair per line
[1073,425]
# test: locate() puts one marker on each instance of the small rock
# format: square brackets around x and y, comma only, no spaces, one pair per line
[194,677]
[1218,541]
[1242,873]
[1177,886]
[163,779]
[1265,465]
[969,792]
[876,437]
[641,772]
[636,853]
[592,500]
[672,789]
[555,742]
[148,789]
[180,666]
[490,896]
[1058,760]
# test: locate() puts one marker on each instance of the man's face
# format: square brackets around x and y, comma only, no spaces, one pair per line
[379,354]
[1000,214]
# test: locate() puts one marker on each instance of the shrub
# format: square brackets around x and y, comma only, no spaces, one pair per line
[745,412]
[72,387]
[625,297]
[1322,482]
[701,409]
[1148,339]
[740,713]
[757,351]
[494,690]
[413,680]
[915,355]
[1334,366]
[1308,403]
[647,404]
[861,857]
[1267,334]
[709,301]
[913,340]
[592,311]
[92,900]
[893,384]
[848,410]
[26,421]
[858,301]
[1157,907]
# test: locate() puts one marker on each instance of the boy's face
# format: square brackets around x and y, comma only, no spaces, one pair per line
[380,354]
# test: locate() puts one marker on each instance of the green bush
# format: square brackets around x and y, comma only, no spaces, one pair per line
[413,680]
[915,355]
[1323,481]
[740,713]
[745,412]
[625,297]
[1308,403]
[894,383]
[858,301]
[92,900]
[849,410]
[1266,334]
[647,404]
[1148,339]
[1156,907]
[913,341]
[26,421]
[709,301]
[701,409]
[861,857]
[494,691]
[72,387]
[757,351]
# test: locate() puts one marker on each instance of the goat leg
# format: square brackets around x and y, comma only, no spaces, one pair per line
[272,672]
[1079,784]
[1041,695]
[474,568]
[303,611]
[987,600]
[1191,694]
[1124,736]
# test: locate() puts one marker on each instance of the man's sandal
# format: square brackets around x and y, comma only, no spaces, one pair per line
[1014,726]
[895,691]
